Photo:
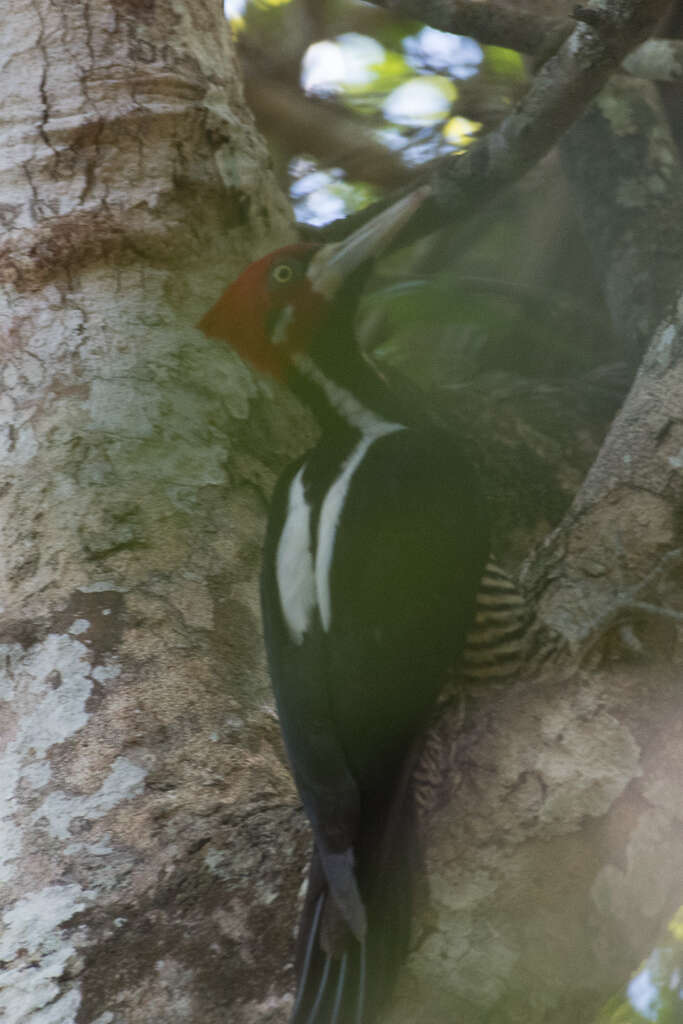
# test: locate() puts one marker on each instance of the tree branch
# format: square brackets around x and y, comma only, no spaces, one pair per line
[560,91]
[556,855]
[488,22]
[563,87]
[615,152]
[618,150]
[493,24]
[618,539]
[543,866]
[301,124]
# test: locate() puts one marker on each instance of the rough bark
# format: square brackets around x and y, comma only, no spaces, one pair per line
[152,846]
[556,856]
[623,166]
[135,717]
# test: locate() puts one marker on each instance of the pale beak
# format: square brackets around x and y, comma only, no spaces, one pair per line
[332,264]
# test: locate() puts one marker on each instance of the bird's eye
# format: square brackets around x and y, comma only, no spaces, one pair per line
[282,273]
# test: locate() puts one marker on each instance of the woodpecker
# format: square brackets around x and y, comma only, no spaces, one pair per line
[376,543]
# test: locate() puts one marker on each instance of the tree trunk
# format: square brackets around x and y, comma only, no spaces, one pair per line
[152,847]
[136,722]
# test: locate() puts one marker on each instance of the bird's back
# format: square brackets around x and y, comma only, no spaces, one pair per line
[411,546]
[384,542]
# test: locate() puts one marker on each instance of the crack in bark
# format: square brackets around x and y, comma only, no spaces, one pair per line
[45,113]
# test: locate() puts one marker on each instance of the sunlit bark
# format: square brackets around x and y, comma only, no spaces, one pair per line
[134,709]
[152,845]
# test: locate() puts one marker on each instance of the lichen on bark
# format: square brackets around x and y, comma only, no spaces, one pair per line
[135,710]
[151,834]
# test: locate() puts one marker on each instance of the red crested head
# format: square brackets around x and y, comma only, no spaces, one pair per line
[276,306]
[270,311]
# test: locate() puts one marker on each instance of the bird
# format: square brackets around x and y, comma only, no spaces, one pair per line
[376,544]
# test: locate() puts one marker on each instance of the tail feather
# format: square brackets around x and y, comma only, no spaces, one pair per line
[339,997]
[322,991]
[333,990]
[341,979]
[304,967]
[360,998]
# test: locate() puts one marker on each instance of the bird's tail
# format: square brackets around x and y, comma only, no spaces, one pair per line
[341,980]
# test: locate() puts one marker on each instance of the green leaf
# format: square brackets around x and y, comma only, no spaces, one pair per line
[504,63]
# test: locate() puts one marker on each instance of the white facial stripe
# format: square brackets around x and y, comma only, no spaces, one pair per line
[294,563]
[279,333]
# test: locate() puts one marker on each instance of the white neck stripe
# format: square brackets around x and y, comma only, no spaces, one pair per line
[303,576]
[330,515]
[294,562]
[343,401]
